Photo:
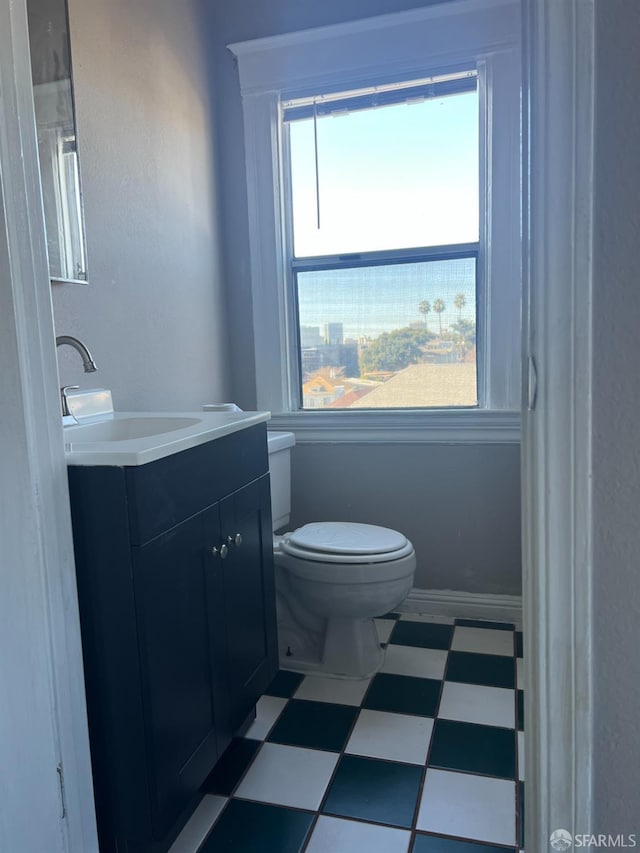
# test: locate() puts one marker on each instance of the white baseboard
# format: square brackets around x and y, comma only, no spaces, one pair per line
[464,605]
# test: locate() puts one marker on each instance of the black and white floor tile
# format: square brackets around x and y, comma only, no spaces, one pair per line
[427,756]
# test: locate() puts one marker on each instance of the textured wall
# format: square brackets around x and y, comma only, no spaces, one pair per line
[459,505]
[616,405]
[153,313]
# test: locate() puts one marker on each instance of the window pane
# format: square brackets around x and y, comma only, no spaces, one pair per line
[390,336]
[389,177]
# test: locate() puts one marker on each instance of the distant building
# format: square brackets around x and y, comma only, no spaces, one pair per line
[310,336]
[424,385]
[344,356]
[441,352]
[328,387]
[333,334]
[323,387]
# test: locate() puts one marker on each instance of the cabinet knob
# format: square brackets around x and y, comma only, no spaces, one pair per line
[235,540]
[221,552]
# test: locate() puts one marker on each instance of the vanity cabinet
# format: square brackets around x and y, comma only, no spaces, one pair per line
[175,582]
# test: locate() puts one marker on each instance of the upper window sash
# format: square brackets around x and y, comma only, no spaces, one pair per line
[357,168]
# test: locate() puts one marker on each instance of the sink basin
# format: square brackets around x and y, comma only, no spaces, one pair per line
[136,438]
[124,429]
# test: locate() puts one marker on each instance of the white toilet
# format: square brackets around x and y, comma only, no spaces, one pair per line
[332,578]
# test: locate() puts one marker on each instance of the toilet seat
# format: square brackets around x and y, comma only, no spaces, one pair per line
[346,542]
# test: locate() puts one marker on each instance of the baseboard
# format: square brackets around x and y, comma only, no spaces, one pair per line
[464,605]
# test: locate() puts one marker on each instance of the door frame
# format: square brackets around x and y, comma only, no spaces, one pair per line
[48,800]
[557,415]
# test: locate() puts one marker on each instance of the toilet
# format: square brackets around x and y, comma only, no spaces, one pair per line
[332,578]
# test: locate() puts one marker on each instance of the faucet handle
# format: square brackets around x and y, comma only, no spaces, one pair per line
[63,398]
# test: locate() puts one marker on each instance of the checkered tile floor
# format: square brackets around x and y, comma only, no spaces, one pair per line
[425,757]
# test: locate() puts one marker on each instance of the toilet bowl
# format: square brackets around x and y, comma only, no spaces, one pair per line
[332,579]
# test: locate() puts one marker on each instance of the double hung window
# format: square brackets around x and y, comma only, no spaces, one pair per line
[383,178]
[383,239]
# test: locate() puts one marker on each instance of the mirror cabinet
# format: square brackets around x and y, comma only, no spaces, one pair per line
[57,139]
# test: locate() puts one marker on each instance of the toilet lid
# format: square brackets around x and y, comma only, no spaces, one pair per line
[347,538]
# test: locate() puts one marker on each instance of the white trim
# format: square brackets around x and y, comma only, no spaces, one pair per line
[557,433]
[356,28]
[464,605]
[44,714]
[264,192]
[501,265]
[475,426]
[405,43]
[403,46]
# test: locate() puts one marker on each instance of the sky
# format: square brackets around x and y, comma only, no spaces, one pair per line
[391,177]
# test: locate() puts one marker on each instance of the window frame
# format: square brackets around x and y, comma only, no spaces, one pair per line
[400,47]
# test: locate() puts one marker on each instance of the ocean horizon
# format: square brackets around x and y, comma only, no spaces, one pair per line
[371,300]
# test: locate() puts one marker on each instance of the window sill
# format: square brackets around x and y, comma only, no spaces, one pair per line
[463,426]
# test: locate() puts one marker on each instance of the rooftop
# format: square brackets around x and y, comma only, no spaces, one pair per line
[424,385]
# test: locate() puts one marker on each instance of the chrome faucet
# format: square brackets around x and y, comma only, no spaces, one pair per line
[87,360]
[88,364]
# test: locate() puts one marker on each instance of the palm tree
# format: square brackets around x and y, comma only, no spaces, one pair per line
[439,307]
[425,308]
[460,301]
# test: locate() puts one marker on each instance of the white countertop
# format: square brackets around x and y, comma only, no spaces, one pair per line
[119,449]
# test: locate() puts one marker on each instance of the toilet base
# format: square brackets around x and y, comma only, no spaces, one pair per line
[350,649]
[326,611]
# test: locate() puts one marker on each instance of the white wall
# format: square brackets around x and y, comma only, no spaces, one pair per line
[616,407]
[153,314]
[458,504]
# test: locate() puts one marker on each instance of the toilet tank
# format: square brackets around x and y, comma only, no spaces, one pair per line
[279,445]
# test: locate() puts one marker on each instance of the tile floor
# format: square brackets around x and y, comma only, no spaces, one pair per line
[425,757]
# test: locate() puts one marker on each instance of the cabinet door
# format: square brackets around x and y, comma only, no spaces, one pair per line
[249,597]
[174,580]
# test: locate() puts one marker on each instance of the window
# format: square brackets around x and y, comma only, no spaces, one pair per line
[383,203]
[399,136]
